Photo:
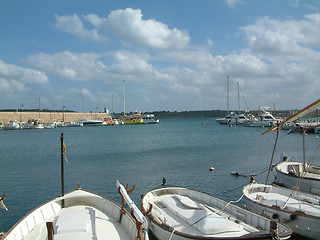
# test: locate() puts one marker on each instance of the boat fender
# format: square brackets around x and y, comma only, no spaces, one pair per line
[275,216]
[293,216]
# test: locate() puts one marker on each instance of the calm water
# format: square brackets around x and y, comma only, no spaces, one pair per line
[182,150]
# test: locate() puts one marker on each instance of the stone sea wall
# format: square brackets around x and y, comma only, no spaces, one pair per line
[46,117]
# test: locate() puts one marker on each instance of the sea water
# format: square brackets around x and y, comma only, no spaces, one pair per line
[180,150]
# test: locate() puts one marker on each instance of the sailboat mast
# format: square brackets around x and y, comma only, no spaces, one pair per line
[228,94]
[39,108]
[238,98]
[124,98]
[112,107]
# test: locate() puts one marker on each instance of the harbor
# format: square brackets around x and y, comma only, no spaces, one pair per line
[180,150]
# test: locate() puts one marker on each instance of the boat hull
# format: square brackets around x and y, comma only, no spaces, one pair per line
[301,223]
[308,182]
[79,214]
[224,220]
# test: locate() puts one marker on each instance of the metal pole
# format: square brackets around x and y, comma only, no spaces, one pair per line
[304,147]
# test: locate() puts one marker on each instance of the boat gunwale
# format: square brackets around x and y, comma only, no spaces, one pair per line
[60,198]
[296,176]
[170,229]
[277,208]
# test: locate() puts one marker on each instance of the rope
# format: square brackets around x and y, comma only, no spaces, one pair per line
[172,234]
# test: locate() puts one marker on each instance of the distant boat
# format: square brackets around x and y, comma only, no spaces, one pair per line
[34,124]
[79,214]
[90,122]
[12,125]
[300,211]
[50,125]
[264,119]
[73,124]
[149,119]
[184,214]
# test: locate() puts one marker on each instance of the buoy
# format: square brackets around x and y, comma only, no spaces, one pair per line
[211,169]
[230,125]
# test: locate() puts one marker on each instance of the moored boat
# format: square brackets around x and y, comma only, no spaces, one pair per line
[79,214]
[294,174]
[184,213]
[300,211]
[12,125]
[149,119]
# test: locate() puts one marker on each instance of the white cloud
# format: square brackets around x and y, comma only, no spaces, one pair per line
[73,25]
[233,3]
[72,66]
[14,78]
[128,26]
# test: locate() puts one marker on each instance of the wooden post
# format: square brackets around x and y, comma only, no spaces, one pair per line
[62,169]
[273,230]
[50,230]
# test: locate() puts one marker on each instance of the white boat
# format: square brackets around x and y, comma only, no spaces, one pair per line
[294,174]
[300,211]
[12,125]
[34,124]
[79,214]
[149,119]
[183,213]
[90,122]
[264,119]
[73,124]
[228,119]
[50,125]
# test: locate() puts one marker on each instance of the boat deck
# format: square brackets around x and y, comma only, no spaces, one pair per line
[81,222]
[190,217]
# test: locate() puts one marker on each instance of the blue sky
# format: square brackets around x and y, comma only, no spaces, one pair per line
[174,55]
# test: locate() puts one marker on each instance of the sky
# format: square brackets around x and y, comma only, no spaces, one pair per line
[165,55]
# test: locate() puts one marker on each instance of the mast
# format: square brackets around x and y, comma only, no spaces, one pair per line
[238,98]
[228,94]
[39,108]
[112,108]
[124,98]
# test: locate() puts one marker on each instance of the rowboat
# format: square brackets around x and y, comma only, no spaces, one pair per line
[300,211]
[297,175]
[184,213]
[79,214]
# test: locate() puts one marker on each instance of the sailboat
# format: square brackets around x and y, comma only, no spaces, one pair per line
[230,115]
[299,210]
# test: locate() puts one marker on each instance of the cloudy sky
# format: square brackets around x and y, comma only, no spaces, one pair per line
[174,55]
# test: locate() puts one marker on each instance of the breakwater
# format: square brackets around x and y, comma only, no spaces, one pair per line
[46,117]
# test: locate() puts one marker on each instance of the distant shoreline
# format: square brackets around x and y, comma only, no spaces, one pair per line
[58,115]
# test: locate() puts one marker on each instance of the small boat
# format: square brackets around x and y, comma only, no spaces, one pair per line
[90,122]
[12,125]
[73,124]
[290,172]
[300,211]
[34,124]
[149,119]
[296,175]
[184,213]
[50,125]
[79,214]
[265,119]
